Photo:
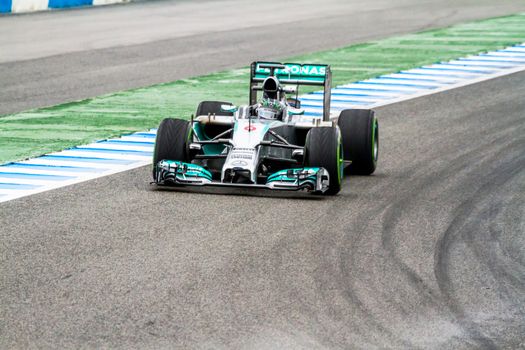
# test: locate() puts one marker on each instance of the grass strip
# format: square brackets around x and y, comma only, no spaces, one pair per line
[43,130]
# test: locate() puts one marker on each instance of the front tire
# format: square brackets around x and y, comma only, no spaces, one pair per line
[324,148]
[173,137]
[360,132]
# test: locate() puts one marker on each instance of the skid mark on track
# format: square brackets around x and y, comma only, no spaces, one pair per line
[457,230]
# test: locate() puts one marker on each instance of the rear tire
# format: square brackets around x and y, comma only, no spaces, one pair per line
[323,148]
[173,137]
[212,107]
[360,132]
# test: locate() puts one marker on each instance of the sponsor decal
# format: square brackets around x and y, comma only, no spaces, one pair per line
[250,128]
[297,69]
[242,156]
[239,163]
[242,153]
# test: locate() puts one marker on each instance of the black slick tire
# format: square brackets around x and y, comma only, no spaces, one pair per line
[323,148]
[360,132]
[173,136]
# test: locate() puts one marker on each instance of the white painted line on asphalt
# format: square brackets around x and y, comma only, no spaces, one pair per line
[484,64]
[365,85]
[309,98]
[455,68]
[8,194]
[42,171]
[427,77]
[502,54]
[69,162]
[137,139]
[107,155]
[118,146]
[340,91]
[450,87]
[405,82]
[443,73]
[33,180]
[498,59]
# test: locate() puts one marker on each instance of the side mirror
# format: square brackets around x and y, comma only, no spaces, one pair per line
[229,108]
[295,111]
[295,103]
[290,89]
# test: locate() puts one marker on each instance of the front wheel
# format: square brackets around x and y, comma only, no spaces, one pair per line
[324,149]
[360,131]
[171,143]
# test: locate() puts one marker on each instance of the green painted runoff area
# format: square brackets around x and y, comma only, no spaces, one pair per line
[39,131]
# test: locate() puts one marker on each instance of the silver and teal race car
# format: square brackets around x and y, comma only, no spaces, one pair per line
[270,143]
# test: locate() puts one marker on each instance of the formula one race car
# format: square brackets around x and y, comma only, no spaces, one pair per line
[270,143]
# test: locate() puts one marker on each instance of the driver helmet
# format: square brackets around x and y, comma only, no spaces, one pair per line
[270,107]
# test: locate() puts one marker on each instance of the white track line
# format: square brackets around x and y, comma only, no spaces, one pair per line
[449,87]
[429,77]
[8,195]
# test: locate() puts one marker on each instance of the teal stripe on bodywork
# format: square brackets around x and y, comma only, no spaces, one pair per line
[193,170]
[283,174]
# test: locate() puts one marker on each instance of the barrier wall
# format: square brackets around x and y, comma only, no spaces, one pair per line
[17,6]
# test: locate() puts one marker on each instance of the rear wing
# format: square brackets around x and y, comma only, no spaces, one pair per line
[293,74]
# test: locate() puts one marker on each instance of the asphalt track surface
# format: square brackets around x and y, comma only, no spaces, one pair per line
[427,253]
[55,57]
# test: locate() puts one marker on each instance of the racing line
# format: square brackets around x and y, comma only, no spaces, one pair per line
[82,163]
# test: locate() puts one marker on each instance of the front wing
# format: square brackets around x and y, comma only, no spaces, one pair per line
[176,173]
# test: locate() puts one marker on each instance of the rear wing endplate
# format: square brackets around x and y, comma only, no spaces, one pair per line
[293,74]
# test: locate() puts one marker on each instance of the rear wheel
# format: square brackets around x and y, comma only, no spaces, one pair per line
[323,148]
[173,137]
[360,132]
[212,107]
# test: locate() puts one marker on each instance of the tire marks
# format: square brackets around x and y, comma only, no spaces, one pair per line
[467,226]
